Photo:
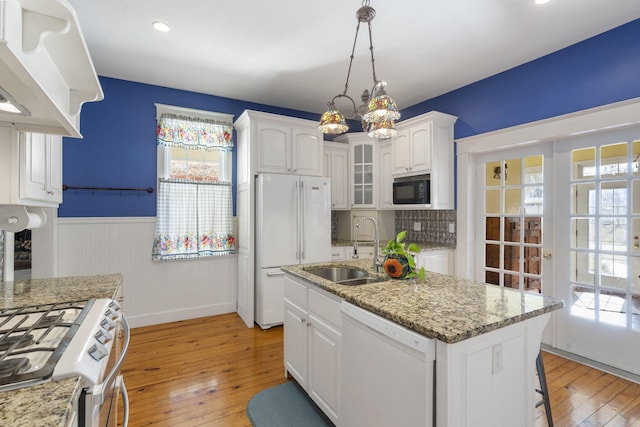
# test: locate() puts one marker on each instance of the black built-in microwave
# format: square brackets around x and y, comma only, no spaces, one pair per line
[413,190]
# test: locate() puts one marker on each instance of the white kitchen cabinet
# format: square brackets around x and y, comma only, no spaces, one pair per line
[385,177]
[336,167]
[31,167]
[379,355]
[296,348]
[424,146]
[312,340]
[364,252]
[362,169]
[285,145]
[341,253]
[412,149]
[437,260]
[337,253]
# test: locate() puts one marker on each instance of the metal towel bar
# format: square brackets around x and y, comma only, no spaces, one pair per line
[69,187]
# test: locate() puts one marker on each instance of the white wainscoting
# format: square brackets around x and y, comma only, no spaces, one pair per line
[154,292]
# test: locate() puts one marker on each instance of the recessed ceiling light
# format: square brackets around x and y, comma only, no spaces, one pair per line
[542,1]
[161,26]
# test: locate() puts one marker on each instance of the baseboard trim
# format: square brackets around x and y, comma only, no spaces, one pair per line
[177,315]
[593,364]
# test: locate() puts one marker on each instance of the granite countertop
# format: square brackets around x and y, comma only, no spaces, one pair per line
[47,291]
[444,307]
[49,404]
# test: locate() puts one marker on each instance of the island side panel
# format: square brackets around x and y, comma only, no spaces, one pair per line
[489,380]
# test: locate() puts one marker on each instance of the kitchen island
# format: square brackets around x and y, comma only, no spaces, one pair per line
[49,404]
[485,340]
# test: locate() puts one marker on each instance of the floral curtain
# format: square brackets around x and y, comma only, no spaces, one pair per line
[193,218]
[194,132]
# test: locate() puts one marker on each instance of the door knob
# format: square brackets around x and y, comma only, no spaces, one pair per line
[547,254]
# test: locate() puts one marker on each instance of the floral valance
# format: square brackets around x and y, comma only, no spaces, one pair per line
[190,132]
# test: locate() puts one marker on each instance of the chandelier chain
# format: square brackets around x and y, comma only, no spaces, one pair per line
[373,61]
[353,50]
[378,111]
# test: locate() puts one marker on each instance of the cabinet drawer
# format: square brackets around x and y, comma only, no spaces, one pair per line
[325,307]
[365,252]
[295,292]
[337,253]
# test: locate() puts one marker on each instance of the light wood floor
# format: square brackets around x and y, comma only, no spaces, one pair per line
[203,372]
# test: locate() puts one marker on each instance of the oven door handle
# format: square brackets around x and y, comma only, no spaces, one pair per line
[98,392]
[125,401]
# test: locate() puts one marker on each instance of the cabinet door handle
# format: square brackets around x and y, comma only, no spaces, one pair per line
[275,274]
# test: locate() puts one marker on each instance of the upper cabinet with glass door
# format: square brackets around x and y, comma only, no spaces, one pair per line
[363,169]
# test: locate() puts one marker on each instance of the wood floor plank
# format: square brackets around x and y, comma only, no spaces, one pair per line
[203,372]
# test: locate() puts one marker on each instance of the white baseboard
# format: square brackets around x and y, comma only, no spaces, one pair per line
[177,315]
[593,364]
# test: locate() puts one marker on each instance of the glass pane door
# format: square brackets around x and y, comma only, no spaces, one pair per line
[513,222]
[605,234]
[598,198]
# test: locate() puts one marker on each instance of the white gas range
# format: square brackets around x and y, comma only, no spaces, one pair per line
[50,342]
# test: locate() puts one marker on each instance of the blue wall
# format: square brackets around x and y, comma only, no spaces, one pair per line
[119,147]
[595,72]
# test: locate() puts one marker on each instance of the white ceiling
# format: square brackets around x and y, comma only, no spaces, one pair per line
[294,53]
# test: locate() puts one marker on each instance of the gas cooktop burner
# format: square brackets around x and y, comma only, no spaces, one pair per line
[12,367]
[16,342]
[33,338]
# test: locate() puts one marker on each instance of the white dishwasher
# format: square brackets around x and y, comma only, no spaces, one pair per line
[387,372]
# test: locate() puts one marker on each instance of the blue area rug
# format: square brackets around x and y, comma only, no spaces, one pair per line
[285,405]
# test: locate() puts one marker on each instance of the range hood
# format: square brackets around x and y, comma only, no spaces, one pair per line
[46,72]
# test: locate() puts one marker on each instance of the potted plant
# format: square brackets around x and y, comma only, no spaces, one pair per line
[399,261]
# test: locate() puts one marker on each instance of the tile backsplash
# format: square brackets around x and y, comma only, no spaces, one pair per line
[434,226]
[334,225]
[1,254]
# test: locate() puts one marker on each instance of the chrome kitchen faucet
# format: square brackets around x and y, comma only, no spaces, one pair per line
[376,248]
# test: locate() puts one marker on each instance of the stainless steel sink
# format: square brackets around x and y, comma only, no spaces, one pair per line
[363,281]
[344,275]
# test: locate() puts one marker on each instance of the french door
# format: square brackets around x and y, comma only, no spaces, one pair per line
[598,212]
[514,226]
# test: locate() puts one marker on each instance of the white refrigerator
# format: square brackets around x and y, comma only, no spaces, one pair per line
[293,226]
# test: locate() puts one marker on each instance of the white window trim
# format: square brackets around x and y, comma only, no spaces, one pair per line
[172,109]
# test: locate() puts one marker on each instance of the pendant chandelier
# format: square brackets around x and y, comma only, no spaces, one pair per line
[378,111]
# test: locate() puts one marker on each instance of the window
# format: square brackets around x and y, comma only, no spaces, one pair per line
[194,216]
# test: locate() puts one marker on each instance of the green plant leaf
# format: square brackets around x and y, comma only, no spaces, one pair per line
[413,247]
